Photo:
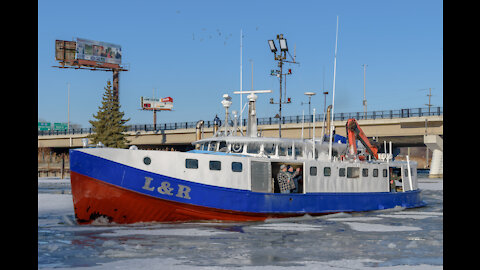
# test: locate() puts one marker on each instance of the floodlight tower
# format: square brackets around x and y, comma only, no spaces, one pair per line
[281,57]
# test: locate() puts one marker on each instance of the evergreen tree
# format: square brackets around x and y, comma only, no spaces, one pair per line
[109,126]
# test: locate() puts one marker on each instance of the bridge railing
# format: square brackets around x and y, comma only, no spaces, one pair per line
[387,114]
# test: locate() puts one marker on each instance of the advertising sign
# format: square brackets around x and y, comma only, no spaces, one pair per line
[99,51]
[163,104]
[65,50]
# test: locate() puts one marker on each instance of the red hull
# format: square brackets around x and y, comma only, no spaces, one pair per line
[93,199]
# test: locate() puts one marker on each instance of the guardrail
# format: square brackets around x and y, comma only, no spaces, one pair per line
[388,114]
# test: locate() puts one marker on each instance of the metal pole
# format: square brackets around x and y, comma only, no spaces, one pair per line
[116,87]
[333,98]
[68,108]
[364,96]
[309,98]
[154,112]
[241,89]
[280,103]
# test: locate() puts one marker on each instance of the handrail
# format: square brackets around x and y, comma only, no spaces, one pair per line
[387,114]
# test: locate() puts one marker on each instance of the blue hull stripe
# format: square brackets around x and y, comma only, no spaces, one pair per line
[173,189]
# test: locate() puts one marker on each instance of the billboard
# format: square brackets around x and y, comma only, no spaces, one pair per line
[157,104]
[65,50]
[98,51]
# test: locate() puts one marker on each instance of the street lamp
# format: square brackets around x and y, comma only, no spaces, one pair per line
[272,46]
[283,44]
[309,94]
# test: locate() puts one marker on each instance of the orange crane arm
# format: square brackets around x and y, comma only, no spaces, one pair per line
[355,132]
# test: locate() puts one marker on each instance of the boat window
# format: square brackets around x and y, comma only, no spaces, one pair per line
[282,150]
[385,173]
[290,149]
[364,172]
[147,160]
[406,172]
[236,166]
[204,146]
[375,172]
[327,171]
[253,148]
[298,151]
[237,148]
[341,172]
[215,165]
[353,172]
[213,146]
[191,163]
[313,171]
[222,147]
[269,149]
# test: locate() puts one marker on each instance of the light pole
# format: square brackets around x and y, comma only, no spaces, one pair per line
[279,73]
[364,97]
[309,94]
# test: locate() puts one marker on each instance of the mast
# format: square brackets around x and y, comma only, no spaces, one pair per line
[241,89]
[333,99]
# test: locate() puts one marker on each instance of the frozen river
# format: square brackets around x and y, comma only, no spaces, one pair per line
[387,239]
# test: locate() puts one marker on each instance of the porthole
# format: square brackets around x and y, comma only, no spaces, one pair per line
[147,160]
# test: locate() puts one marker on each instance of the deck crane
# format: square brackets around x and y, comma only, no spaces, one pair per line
[354,132]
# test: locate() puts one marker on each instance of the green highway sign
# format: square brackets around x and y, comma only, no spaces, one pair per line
[44,126]
[60,126]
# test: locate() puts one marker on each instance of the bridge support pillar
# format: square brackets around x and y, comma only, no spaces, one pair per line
[435,143]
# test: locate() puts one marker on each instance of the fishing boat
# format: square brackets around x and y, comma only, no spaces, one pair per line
[232,176]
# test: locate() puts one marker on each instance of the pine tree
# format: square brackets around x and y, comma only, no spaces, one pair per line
[110,125]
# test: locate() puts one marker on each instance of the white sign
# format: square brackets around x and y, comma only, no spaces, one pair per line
[158,104]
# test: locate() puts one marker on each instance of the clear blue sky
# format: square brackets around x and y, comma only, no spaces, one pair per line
[190,51]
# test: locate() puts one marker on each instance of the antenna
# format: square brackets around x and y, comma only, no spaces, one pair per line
[241,101]
[333,99]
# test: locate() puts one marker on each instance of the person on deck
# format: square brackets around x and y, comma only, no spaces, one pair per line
[297,179]
[284,179]
[293,184]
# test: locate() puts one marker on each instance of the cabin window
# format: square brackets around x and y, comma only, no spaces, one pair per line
[298,151]
[222,147]
[204,147]
[269,149]
[327,171]
[313,171]
[406,172]
[375,172]
[282,150]
[364,172]
[147,160]
[213,146]
[237,148]
[353,172]
[341,172]
[253,148]
[290,150]
[385,173]
[236,166]
[191,163]
[215,165]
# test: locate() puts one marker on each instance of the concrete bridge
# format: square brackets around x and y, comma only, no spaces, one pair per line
[401,131]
